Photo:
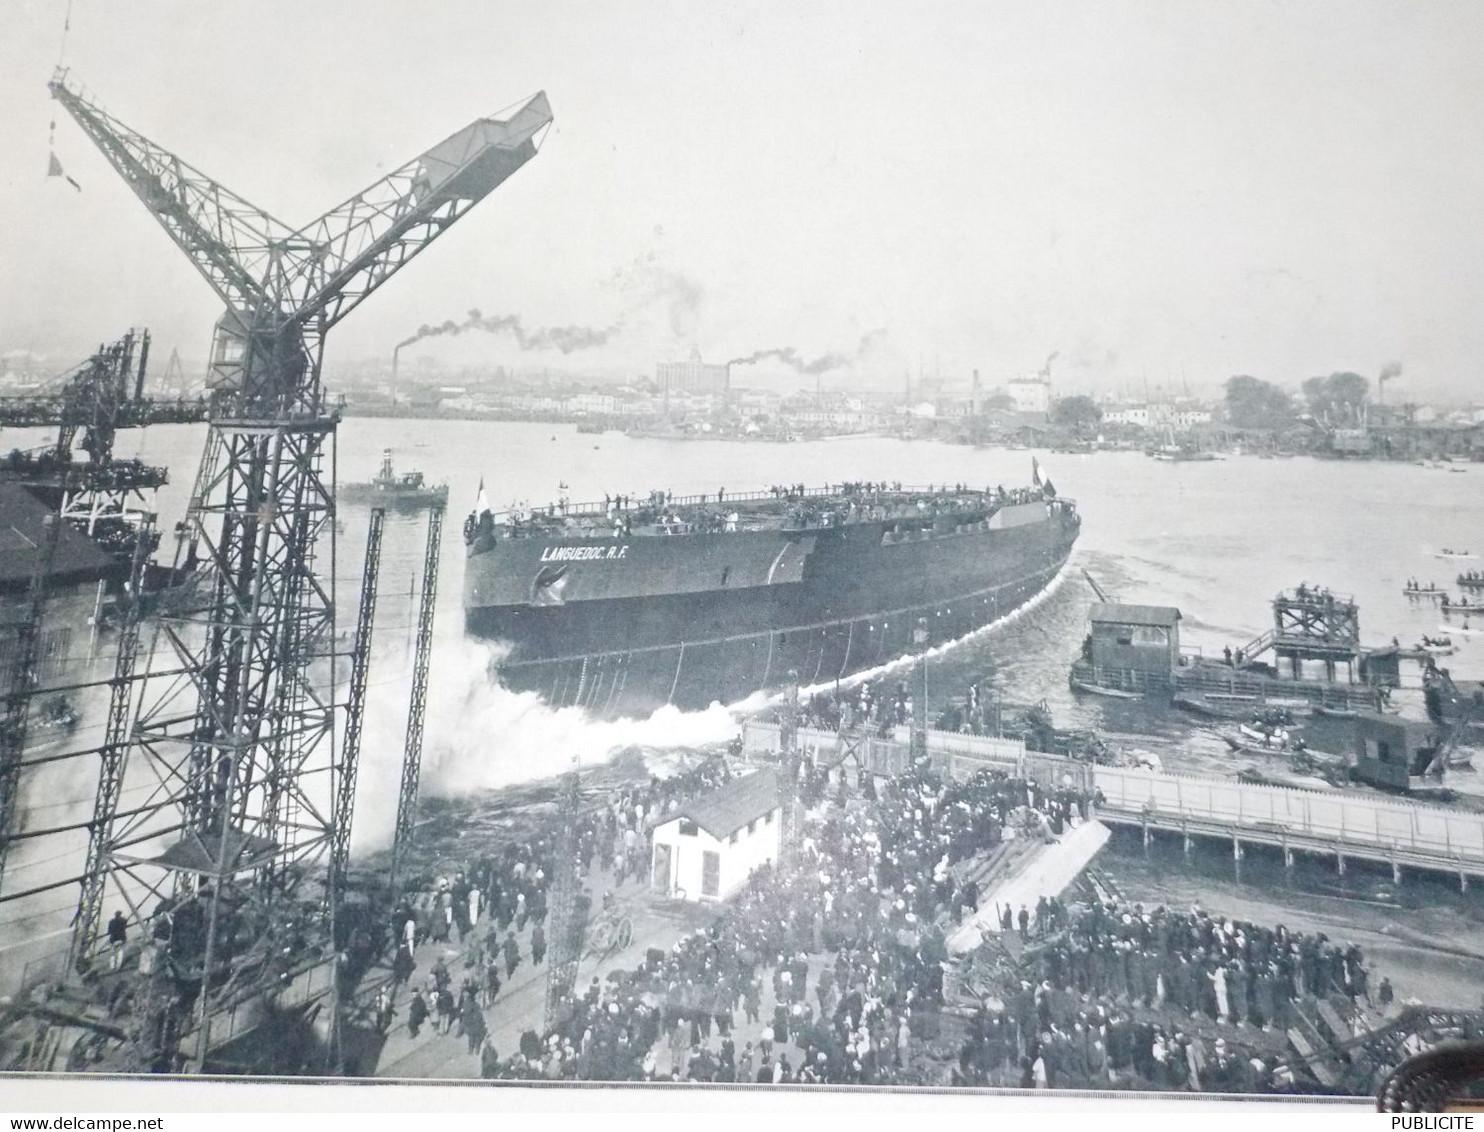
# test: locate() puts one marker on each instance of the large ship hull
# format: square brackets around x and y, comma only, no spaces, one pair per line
[621,627]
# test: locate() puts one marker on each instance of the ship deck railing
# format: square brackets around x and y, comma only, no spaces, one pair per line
[599,509]
[600,519]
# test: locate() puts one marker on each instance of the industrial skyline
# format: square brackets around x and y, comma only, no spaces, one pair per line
[1205,188]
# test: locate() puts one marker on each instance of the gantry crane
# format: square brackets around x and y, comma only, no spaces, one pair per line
[234,751]
[102,496]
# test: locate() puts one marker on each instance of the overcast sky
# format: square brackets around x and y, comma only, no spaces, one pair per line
[1152,189]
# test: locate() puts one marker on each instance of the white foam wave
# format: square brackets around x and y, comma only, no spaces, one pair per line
[758,701]
[481,735]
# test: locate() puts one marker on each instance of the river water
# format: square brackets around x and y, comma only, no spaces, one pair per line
[1218,540]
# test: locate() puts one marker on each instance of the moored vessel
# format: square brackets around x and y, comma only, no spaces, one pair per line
[390,488]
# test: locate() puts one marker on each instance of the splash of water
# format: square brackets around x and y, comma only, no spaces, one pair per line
[481,736]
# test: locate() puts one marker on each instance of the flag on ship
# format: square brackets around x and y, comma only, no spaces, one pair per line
[481,501]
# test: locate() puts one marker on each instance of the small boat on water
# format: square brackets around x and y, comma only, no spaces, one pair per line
[1430,591]
[1256,777]
[1436,646]
[1266,738]
[1465,628]
[1473,580]
[1217,705]
[1456,554]
[1336,712]
[395,489]
[1081,685]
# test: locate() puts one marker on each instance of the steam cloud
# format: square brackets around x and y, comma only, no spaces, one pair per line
[1390,370]
[563,338]
[812,367]
[482,736]
[682,297]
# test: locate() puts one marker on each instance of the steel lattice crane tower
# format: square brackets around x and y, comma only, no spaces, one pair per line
[238,751]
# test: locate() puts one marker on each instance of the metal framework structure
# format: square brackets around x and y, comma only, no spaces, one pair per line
[237,750]
[355,707]
[111,762]
[103,496]
[417,708]
[17,704]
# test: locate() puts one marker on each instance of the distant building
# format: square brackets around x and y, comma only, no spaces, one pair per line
[1030,394]
[693,376]
[715,842]
[1137,415]
[1157,414]
[602,403]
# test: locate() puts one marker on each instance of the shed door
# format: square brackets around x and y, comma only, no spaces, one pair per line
[661,876]
[710,873]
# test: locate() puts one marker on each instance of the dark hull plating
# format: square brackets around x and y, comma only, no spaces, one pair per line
[693,620]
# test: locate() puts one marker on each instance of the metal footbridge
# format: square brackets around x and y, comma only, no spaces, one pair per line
[1343,824]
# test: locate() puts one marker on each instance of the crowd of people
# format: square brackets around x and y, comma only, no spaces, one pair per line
[835,505]
[826,972]
[831,969]
[1119,993]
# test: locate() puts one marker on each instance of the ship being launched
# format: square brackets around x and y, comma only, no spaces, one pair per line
[622,606]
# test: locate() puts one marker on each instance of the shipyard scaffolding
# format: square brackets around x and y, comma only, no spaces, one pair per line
[108,502]
[417,706]
[221,863]
[1311,624]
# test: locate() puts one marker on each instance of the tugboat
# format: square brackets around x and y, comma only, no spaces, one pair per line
[389,488]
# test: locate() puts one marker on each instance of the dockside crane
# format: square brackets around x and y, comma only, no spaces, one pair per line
[102,496]
[233,739]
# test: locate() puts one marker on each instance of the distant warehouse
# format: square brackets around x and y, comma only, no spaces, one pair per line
[694,376]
